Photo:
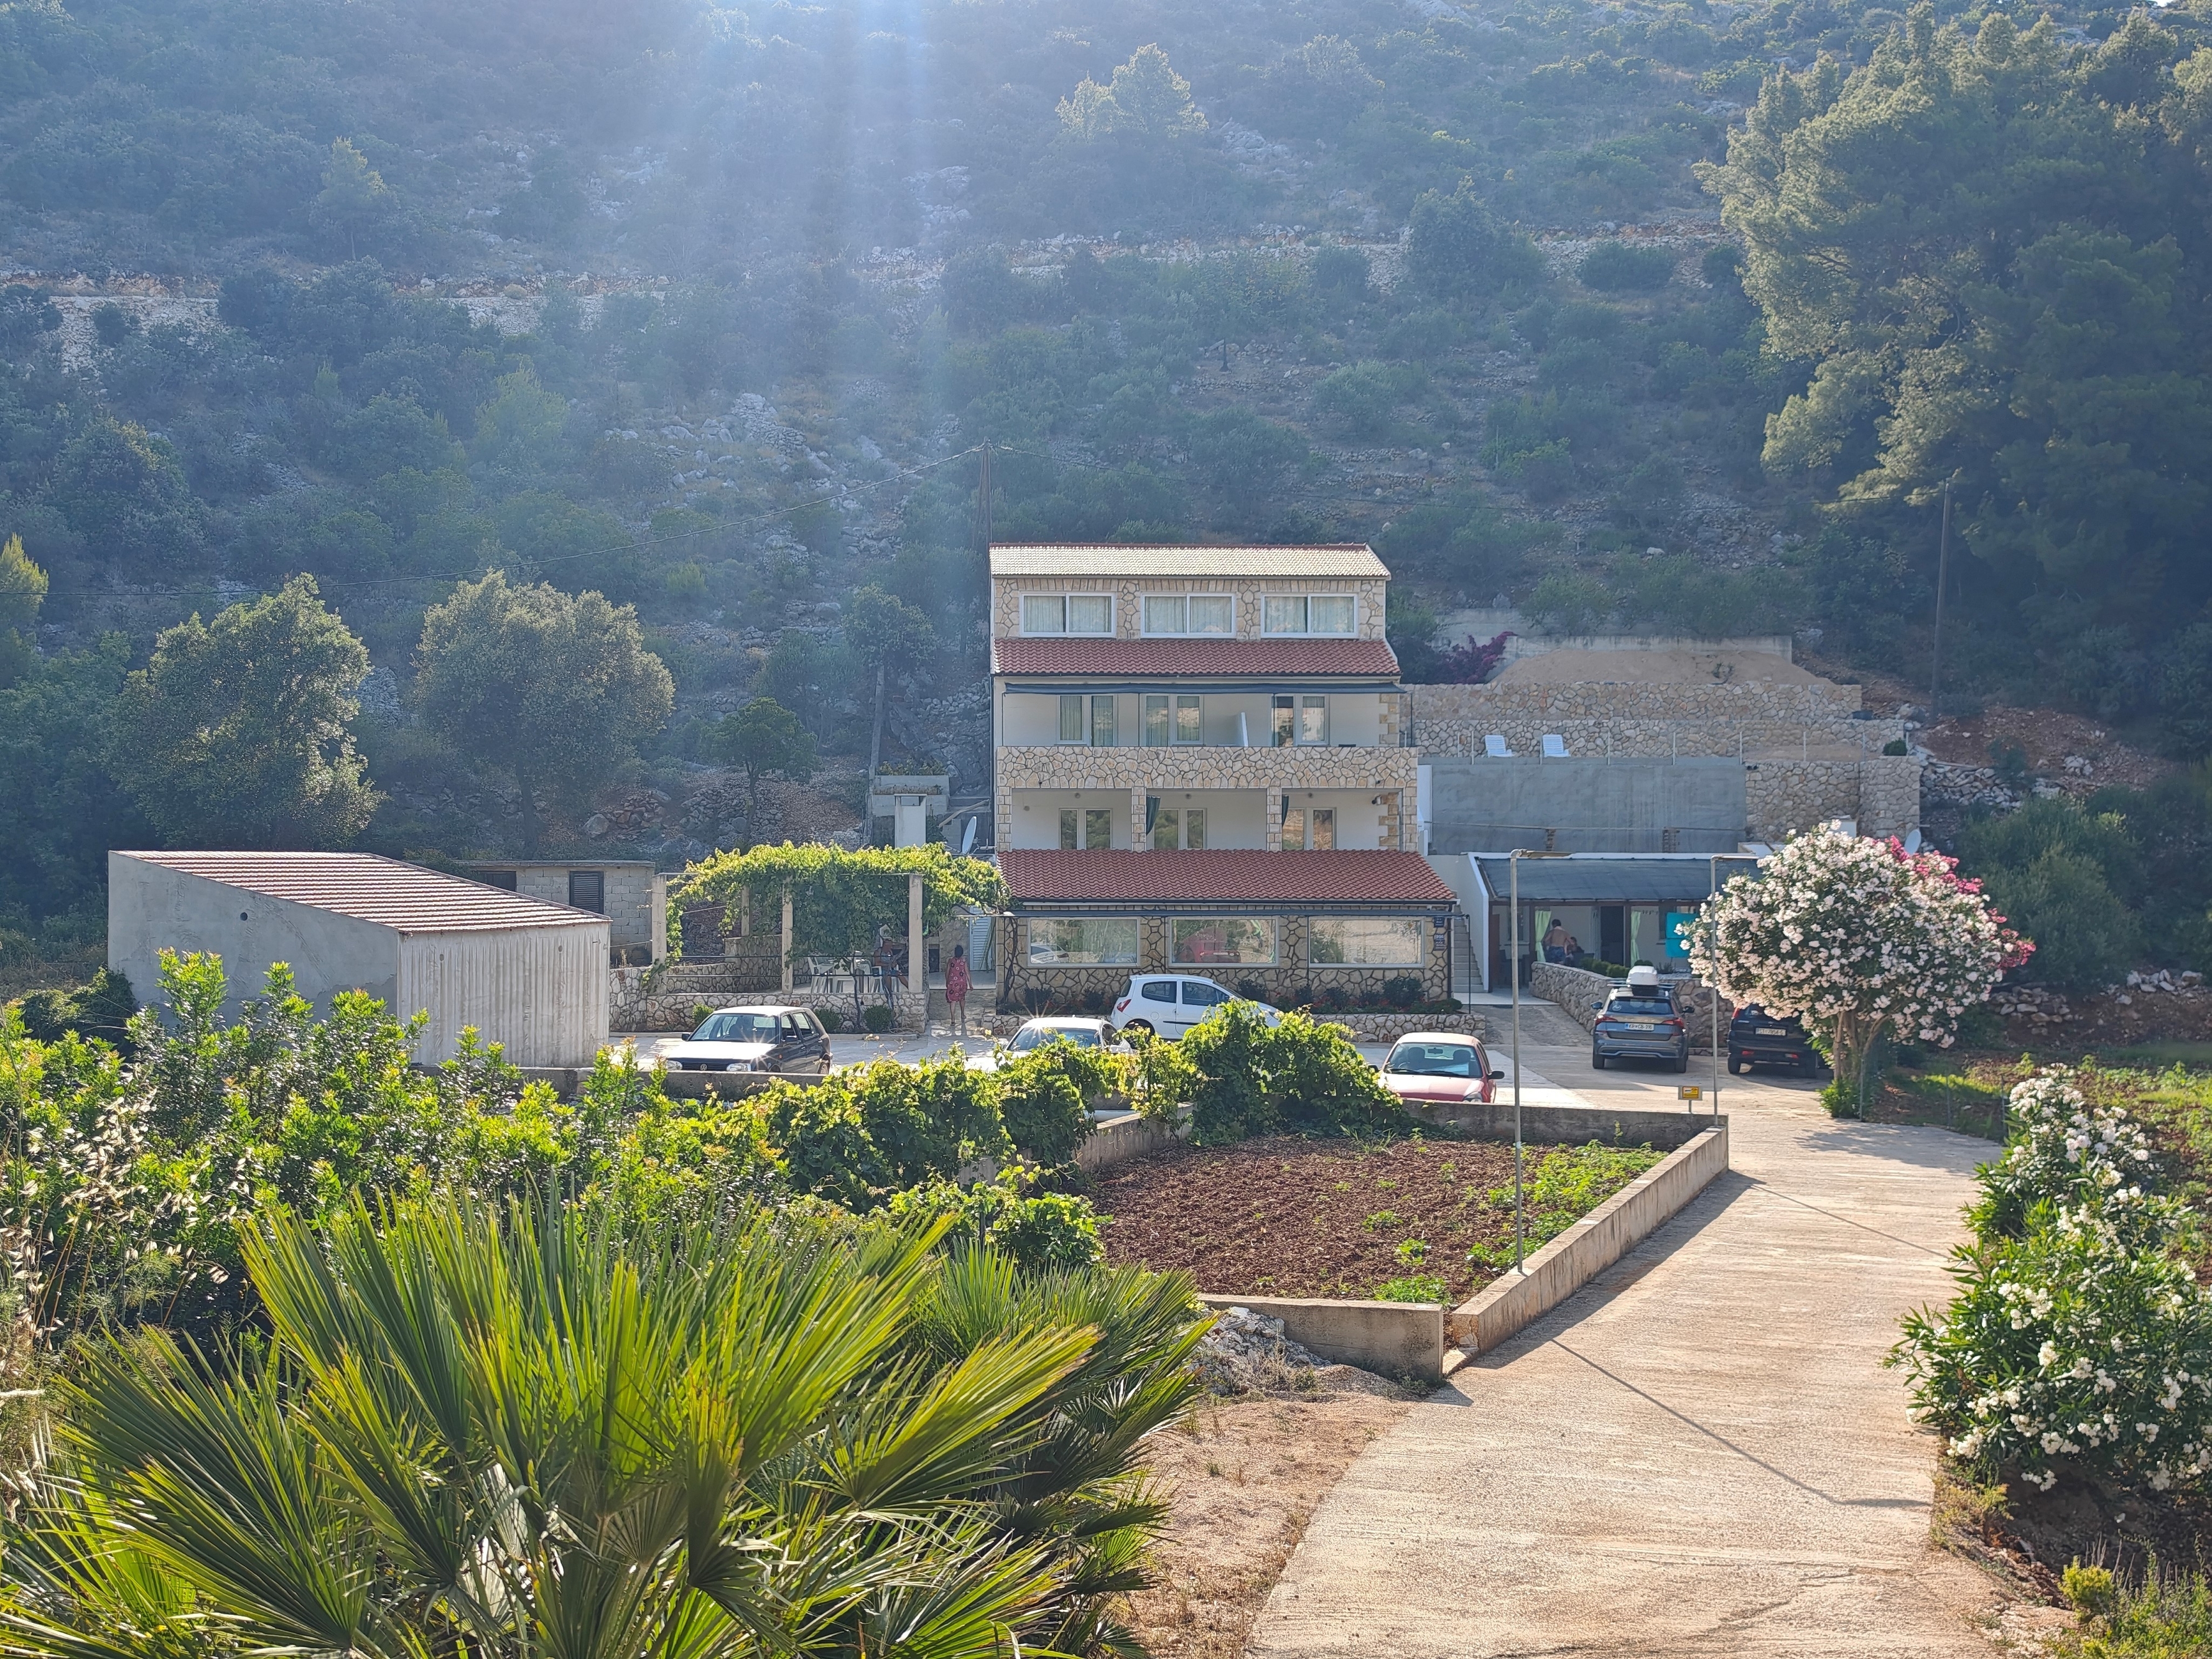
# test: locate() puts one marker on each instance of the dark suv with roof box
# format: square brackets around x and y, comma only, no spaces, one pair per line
[1640,1020]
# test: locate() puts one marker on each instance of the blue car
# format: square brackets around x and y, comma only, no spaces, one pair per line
[1640,1021]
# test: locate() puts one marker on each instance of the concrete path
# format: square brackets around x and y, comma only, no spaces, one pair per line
[1700,1454]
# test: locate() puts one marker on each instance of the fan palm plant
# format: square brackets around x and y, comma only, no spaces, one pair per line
[514,1434]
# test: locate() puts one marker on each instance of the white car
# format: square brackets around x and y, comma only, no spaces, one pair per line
[770,1037]
[1170,1004]
[1036,1033]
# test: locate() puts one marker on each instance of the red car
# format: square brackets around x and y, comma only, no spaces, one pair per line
[1437,1068]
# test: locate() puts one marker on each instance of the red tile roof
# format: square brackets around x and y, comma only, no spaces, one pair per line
[402,896]
[1298,659]
[1222,876]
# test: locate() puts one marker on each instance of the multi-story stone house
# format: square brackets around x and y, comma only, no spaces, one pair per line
[1198,764]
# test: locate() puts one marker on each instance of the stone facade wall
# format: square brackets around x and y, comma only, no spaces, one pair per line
[1806,759]
[1006,592]
[674,995]
[1291,981]
[1783,797]
[1637,719]
[1392,772]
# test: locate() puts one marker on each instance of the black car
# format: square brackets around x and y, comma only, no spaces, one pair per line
[1759,1038]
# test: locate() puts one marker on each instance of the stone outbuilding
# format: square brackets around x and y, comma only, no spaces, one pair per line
[526,973]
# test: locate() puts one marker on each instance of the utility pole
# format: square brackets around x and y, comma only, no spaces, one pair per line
[1943,575]
[983,500]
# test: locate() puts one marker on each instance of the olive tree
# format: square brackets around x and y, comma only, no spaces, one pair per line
[239,731]
[555,690]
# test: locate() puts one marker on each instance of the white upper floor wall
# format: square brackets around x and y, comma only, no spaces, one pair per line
[1256,592]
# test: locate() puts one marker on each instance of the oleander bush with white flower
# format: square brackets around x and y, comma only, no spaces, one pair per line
[1859,938]
[2080,1340]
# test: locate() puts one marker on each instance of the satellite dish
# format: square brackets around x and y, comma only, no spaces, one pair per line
[967,835]
[1912,842]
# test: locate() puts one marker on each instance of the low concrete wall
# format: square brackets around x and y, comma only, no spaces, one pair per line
[1370,1027]
[1397,1338]
[1118,1139]
[1567,1126]
[1592,1244]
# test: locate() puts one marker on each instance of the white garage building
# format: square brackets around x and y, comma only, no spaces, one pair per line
[526,974]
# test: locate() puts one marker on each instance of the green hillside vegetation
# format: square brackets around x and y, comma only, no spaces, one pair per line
[710,314]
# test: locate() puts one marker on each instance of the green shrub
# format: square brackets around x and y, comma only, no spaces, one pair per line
[2080,1339]
[1039,1231]
[1249,1079]
[2090,1591]
[831,1017]
[1045,1097]
[2167,1616]
[1565,1185]
[1359,398]
[877,1017]
[1414,1287]
[1622,268]
[100,1008]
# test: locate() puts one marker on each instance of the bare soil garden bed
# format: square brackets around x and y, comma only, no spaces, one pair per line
[1285,1216]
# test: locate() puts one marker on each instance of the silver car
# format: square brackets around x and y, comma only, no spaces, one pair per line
[771,1037]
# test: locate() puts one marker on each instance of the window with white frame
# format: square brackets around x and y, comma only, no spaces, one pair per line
[1087,719]
[1367,941]
[1173,717]
[1332,614]
[1300,720]
[1067,613]
[1208,615]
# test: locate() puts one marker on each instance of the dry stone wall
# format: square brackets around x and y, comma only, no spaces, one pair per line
[1582,994]
[1782,797]
[1643,720]
[1807,756]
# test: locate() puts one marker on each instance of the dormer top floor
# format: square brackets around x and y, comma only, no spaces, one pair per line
[1068,591]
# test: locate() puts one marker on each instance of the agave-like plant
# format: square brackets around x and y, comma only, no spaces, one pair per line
[518,1433]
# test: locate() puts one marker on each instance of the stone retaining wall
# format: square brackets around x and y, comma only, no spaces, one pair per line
[1880,794]
[1638,718]
[1583,994]
[671,1000]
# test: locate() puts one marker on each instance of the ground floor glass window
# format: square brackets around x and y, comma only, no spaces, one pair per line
[1367,941]
[1222,941]
[1082,942]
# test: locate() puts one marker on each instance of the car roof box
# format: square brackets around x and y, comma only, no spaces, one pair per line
[1644,978]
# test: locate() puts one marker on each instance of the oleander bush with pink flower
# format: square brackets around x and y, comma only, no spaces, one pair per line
[1859,938]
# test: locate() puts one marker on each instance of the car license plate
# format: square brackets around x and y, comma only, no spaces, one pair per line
[1772,1031]
[1642,1025]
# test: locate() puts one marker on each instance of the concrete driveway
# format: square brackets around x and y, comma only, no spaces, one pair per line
[1700,1454]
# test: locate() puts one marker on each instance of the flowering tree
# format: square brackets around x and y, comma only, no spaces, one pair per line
[1856,937]
[2079,1338]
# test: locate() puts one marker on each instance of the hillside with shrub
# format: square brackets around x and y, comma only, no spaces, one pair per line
[713,314]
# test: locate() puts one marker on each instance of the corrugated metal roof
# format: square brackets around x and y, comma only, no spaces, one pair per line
[1602,879]
[405,897]
[1300,658]
[1221,876]
[1256,561]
